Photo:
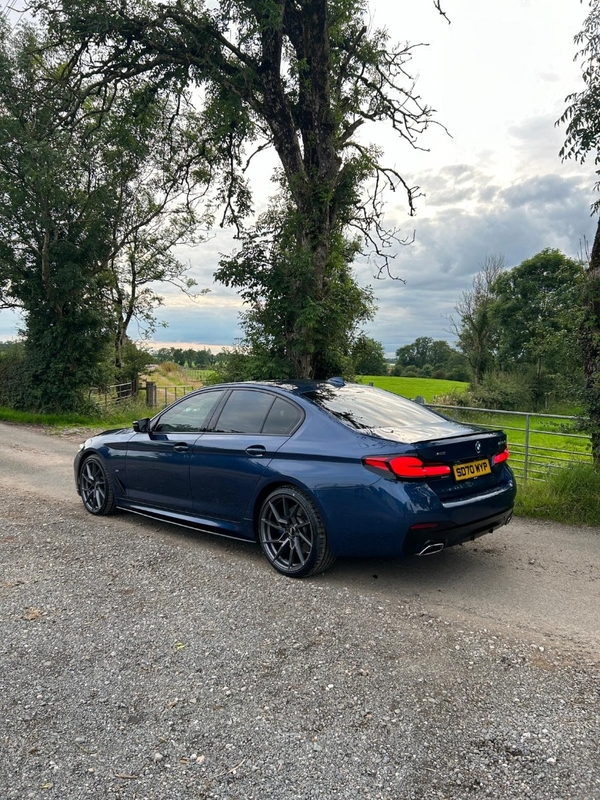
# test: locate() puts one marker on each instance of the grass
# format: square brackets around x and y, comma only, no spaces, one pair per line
[170,374]
[196,374]
[568,495]
[119,416]
[51,420]
[429,388]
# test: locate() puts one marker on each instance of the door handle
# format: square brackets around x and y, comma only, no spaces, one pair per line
[256,450]
[181,448]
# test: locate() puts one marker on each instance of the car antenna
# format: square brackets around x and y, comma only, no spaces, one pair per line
[337,381]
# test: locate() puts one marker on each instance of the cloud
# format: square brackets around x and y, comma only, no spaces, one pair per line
[195,325]
[516,221]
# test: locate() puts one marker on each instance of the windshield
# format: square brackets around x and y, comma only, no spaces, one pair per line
[364,407]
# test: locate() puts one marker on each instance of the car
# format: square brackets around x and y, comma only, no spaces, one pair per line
[310,470]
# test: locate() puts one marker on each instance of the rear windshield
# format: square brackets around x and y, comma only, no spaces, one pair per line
[364,407]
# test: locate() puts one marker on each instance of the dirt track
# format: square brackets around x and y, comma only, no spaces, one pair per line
[535,577]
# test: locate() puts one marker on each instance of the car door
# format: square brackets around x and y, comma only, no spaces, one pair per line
[228,460]
[157,469]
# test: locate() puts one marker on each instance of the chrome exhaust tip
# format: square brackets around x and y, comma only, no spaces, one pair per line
[431,549]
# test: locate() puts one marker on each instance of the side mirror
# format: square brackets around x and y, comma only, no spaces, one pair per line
[142,425]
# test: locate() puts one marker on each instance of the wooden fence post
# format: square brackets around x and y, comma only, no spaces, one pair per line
[150,394]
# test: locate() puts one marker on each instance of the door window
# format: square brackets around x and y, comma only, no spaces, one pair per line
[191,415]
[244,412]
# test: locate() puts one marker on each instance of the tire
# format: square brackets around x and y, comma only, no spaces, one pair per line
[95,487]
[292,535]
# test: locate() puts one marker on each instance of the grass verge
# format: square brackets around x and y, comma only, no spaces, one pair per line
[570,495]
[112,418]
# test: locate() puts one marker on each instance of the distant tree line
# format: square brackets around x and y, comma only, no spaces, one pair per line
[429,358]
[196,359]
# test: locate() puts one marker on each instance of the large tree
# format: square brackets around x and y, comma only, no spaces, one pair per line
[368,356]
[536,313]
[302,76]
[88,184]
[523,320]
[582,118]
[54,229]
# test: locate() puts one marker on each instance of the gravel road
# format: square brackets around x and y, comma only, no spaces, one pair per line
[138,660]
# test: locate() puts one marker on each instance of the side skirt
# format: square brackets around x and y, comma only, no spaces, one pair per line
[186,522]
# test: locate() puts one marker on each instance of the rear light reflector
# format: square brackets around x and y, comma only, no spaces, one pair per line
[500,457]
[423,526]
[407,467]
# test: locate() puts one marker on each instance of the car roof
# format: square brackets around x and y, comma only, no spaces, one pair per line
[293,386]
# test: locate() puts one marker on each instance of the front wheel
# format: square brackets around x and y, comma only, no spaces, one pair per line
[292,535]
[96,492]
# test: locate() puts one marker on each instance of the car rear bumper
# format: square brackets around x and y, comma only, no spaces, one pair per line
[423,542]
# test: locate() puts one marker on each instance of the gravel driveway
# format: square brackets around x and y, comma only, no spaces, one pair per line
[138,660]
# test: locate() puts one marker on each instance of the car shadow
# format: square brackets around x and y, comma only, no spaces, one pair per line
[464,566]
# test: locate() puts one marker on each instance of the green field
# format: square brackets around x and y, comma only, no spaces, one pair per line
[196,374]
[429,388]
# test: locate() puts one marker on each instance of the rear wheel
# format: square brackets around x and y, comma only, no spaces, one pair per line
[292,535]
[96,491]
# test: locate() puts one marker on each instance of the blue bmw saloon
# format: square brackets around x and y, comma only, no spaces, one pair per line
[309,470]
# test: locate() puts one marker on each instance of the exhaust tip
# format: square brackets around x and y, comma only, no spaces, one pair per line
[431,549]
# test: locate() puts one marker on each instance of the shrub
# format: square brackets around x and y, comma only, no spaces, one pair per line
[15,378]
[169,367]
[510,391]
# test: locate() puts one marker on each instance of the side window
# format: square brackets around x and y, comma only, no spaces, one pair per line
[191,414]
[283,418]
[244,412]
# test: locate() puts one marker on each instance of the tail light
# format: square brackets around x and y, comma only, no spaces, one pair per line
[500,457]
[407,466]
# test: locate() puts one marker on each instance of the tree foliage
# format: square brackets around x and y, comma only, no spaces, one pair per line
[582,140]
[302,77]
[88,212]
[474,325]
[522,321]
[429,358]
[290,328]
[368,357]
[54,229]
[536,311]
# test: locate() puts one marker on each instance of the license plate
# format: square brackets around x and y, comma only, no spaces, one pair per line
[472,470]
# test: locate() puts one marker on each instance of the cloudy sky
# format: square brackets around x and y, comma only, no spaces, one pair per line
[497,77]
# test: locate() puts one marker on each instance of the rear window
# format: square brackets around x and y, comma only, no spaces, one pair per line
[364,407]
[283,418]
